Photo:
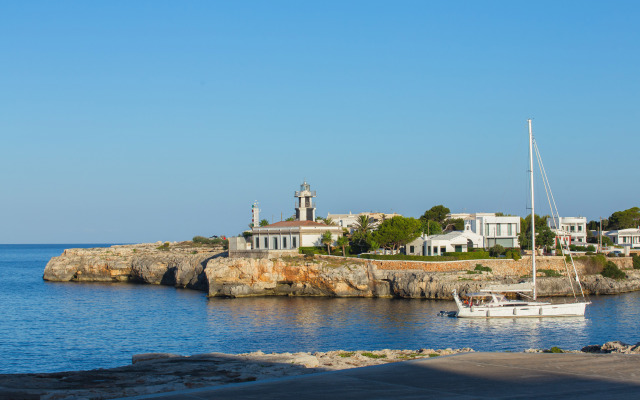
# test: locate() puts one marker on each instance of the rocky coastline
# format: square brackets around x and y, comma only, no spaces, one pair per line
[162,372]
[210,270]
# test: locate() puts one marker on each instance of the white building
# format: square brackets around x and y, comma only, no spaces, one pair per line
[452,242]
[625,237]
[575,227]
[436,245]
[285,236]
[349,221]
[502,230]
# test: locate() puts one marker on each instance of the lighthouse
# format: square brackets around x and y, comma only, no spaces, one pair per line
[305,206]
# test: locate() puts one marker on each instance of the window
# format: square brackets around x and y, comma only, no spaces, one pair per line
[510,229]
[579,228]
[411,249]
[573,228]
[458,248]
[284,242]
[275,243]
[435,250]
[266,243]
[486,230]
[443,250]
[499,229]
[257,243]
[294,242]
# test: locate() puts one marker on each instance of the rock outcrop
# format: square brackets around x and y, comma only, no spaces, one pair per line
[206,269]
[181,266]
[241,277]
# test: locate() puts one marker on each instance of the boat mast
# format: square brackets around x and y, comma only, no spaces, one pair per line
[533,214]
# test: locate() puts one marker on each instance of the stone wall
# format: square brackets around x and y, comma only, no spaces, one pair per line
[499,266]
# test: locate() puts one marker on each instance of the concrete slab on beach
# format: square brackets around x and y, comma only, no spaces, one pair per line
[461,376]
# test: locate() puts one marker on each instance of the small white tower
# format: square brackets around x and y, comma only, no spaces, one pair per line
[255,215]
[305,207]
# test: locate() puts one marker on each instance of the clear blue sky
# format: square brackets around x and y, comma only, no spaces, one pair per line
[141,121]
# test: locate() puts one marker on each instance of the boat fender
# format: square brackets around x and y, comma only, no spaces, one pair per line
[540,310]
[515,311]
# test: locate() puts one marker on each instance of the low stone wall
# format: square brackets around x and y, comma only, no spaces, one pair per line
[499,266]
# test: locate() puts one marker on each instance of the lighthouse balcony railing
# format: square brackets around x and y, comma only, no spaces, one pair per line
[311,193]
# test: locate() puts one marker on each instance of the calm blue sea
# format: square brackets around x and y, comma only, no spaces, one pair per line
[46,326]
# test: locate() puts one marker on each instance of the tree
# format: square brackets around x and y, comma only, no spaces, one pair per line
[264,222]
[625,219]
[430,227]
[436,213]
[456,223]
[327,240]
[397,231]
[363,224]
[329,221]
[544,236]
[343,242]
[360,242]
[291,218]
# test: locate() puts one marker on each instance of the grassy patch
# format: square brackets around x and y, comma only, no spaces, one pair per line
[371,355]
[473,272]
[480,267]
[550,272]
[164,247]
[434,355]
[347,354]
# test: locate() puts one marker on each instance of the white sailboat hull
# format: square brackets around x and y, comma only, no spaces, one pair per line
[531,310]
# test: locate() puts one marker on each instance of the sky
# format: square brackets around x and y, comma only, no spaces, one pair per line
[144,121]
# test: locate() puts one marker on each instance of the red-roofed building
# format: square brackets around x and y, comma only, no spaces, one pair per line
[286,236]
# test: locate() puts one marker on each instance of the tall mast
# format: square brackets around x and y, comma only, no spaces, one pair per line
[533,214]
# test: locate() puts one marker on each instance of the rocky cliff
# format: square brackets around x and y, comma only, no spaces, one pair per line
[206,269]
[238,277]
[179,265]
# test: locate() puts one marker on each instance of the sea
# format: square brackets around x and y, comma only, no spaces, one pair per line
[54,326]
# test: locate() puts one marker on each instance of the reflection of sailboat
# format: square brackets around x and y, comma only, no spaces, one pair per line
[492,302]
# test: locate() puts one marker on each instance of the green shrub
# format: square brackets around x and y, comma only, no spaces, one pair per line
[591,248]
[496,250]
[556,349]
[480,267]
[514,254]
[211,241]
[434,355]
[164,247]
[636,262]
[550,272]
[371,355]
[589,253]
[611,270]
[347,354]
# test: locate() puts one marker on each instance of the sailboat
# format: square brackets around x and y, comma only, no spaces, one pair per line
[493,303]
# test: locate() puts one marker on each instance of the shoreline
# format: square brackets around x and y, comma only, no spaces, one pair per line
[163,372]
[210,270]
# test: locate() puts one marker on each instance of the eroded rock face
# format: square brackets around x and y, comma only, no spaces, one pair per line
[135,263]
[207,270]
[239,277]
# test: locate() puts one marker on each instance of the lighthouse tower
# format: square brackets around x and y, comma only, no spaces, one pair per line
[305,207]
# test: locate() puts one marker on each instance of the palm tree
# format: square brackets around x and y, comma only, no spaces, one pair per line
[327,240]
[363,224]
[329,221]
[342,242]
